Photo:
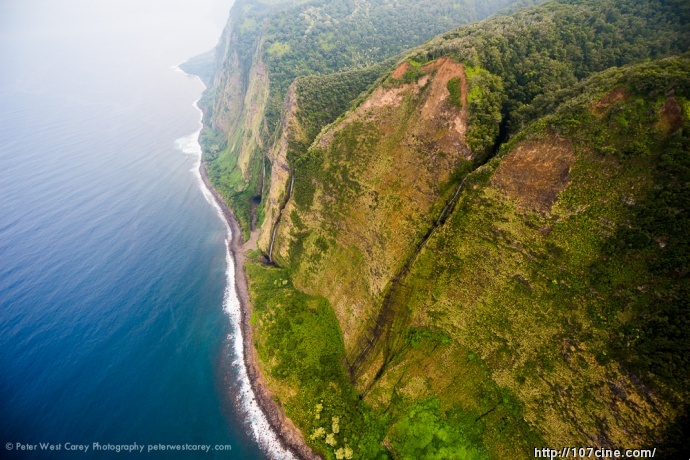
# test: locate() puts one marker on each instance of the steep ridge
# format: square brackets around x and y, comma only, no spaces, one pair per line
[513,320]
[279,193]
[424,305]
[425,130]
[547,296]
[268,44]
[322,99]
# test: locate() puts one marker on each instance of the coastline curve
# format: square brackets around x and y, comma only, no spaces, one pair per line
[274,433]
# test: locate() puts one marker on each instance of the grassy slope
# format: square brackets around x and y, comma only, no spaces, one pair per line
[570,310]
[300,347]
[357,210]
[439,382]
[515,317]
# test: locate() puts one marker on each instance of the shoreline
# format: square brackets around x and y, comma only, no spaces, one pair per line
[287,433]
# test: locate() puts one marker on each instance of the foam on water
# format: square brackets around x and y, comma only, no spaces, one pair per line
[190,145]
[260,428]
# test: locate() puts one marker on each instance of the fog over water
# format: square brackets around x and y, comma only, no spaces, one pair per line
[112,262]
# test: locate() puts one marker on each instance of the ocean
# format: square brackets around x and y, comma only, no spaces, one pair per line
[116,329]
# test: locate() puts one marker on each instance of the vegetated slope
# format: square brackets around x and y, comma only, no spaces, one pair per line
[267,44]
[562,275]
[312,102]
[549,309]
[457,344]
[364,192]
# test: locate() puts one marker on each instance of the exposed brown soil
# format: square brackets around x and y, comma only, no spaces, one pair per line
[670,116]
[290,436]
[380,98]
[439,122]
[536,172]
[401,70]
[609,99]
[442,121]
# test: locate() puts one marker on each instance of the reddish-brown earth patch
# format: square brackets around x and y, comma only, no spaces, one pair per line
[536,172]
[401,70]
[440,125]
[609,99]
[440,120]
[670,116]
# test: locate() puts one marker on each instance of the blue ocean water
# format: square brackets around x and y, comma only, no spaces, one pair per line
[112,261]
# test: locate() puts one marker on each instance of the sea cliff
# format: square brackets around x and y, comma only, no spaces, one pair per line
[462,248]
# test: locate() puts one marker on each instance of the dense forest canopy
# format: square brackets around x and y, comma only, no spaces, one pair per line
[326,36]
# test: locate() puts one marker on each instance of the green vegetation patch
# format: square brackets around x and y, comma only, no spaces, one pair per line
[540,50]
[278,48]
[485,99]
[301,349]
[321,99]
[424,434]
[241,195]
[455,91]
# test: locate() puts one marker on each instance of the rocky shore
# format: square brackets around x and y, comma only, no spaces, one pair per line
[290,436]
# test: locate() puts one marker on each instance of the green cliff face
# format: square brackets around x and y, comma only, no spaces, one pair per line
[267,45]
[479,248]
